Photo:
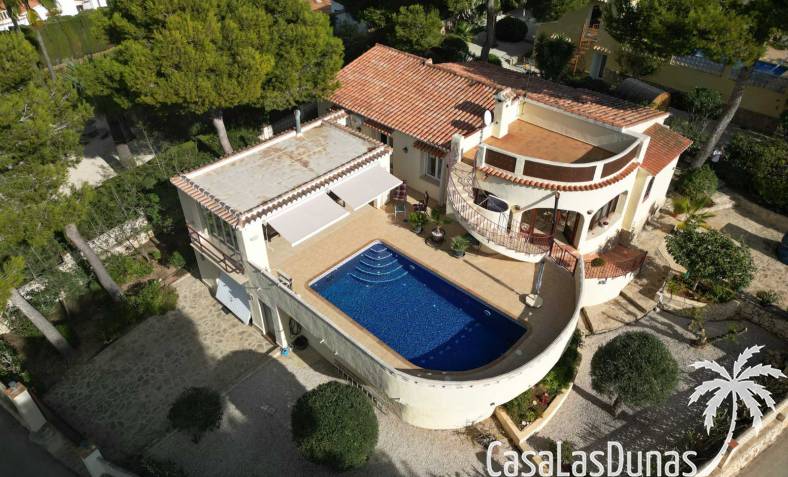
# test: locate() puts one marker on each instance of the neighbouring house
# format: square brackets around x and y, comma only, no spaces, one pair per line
[765,98]
[65,7]
[304,235]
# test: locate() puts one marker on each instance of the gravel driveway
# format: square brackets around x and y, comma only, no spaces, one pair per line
[584,417]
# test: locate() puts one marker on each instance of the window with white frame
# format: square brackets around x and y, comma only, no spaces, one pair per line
[218,228]
[433,167]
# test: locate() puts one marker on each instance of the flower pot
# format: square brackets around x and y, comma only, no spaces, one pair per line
[458,253]
[437,235]
[418,229]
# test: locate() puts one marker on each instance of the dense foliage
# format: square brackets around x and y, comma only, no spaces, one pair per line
[335,425]
[758,166]
[552,55]
[698,183]
[150,298]
[125,268]
[711,257]
[74,37]
[11,368]
[196,411]
[635,368]
[452,49]
[416,30]
[510,29]
[551,10]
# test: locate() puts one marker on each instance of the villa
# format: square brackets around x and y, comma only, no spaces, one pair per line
[305,236]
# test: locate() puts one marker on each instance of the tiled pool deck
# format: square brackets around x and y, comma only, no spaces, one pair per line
[495,279]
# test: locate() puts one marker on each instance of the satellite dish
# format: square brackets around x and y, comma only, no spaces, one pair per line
[487,117]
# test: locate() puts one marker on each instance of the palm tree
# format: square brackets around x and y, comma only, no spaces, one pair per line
[14,7]
[693,208]
[738,385]
[490,38]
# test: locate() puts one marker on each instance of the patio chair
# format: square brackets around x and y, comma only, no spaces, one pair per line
[421,206]
[400,207]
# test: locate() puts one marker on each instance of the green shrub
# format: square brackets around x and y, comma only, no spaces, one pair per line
[758,166]
[177,260]
[712,257]
[598,262]
[567,448]
[155,254]
[335,425]
[452,49]
[524,408]
[196,411]
[493,59]
[702,103]
[698,183]
[634,368]
[564,372]
[11,368]
[510,29]
[415,29]
[126,268]
[72,37]
[150,298]
[552,55]
[767,297]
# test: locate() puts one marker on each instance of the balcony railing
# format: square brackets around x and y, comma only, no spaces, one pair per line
[530,167]
[460,192]
[231,263]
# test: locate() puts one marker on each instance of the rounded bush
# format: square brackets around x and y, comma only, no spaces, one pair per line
[510,29]
[196,411]
[699,183]
[635,368]
[335,425]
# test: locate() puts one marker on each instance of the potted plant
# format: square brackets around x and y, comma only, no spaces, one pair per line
[417,220]
[459,245]
[438,217]
[598,262]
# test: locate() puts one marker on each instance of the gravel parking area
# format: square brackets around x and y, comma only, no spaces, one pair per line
[254,438]
[585,419]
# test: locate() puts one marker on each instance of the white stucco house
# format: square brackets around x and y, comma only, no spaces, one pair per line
[304,235]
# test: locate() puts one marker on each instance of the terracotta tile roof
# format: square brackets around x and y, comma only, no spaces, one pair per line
[408,93]
[430,149]
[320,5]
[494,171]
[664,146]
[582,102]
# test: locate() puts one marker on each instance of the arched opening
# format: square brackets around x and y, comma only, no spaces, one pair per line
[568,223]
[489,201]
[596,17]
[607,215]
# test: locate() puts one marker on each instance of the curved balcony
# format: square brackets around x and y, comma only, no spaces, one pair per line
[530,170]
[510,241]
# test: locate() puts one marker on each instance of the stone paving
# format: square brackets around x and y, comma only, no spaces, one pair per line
[255,438]
[121,397]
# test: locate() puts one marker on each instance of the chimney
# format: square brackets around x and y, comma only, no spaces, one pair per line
[297,114]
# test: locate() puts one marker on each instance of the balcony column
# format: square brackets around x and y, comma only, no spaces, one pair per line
[481,155]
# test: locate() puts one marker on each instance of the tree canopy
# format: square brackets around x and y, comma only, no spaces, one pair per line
[417,30]
[551,10]
[552,55]
[635,368]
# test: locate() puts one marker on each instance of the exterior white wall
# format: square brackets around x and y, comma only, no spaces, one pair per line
[428,403]
[584,130]
[600,290]
[656,198]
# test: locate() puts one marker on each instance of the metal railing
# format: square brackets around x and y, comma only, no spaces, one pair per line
[460,189]
[564,256]
[615,268]
[230,263]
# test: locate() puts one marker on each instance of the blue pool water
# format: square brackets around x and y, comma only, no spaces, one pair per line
[424,318]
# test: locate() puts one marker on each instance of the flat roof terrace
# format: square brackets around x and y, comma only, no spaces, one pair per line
[495,279]
[527,139]
[257,175]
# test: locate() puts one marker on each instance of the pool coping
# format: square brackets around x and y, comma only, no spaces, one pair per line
[415,368]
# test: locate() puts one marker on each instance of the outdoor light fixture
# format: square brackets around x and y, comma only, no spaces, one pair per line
[405,149]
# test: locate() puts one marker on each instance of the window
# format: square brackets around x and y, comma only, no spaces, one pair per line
[648,188]
[219,229]
[603,213]
[3,15]
[386,139]
[433,167]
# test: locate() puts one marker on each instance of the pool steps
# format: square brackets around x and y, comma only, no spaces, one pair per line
[377,273]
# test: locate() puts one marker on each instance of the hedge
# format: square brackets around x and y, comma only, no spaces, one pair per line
[510,29]
[72,37]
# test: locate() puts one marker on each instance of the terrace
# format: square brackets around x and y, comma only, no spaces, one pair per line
[496,280]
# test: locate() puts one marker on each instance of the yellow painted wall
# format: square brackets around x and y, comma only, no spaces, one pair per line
[759,100]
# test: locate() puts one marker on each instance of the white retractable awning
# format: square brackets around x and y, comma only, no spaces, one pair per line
[308,218]
[233,295]
[362,188]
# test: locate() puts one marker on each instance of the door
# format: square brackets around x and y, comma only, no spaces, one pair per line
[269,321]
[598,65]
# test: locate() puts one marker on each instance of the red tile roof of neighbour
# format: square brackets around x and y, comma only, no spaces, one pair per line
[664,147]
[433,102]
[320,5]
[582,102]
[408,93]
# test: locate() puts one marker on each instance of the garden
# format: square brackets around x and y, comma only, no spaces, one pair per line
[529,406]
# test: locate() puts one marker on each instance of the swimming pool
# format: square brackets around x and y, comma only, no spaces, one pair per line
[430,322]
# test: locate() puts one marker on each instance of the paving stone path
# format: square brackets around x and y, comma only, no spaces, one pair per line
[120,398]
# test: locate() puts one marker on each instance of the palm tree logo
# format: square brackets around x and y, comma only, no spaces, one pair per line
[739,386]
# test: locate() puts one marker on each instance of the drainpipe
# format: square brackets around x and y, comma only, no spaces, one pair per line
[297,114]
